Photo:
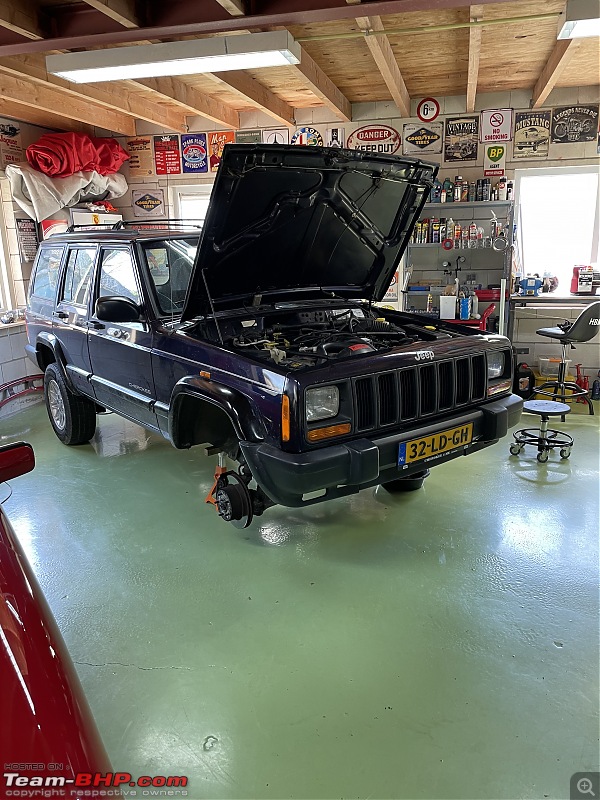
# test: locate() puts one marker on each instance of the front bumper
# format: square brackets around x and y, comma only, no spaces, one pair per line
[342,469]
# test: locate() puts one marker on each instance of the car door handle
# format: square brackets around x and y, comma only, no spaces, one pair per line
[93,323]
[60,314]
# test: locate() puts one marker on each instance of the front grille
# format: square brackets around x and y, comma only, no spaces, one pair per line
[414,392]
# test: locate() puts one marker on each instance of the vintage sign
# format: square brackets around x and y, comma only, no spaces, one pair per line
[216,142]
[392,290]
[532,134]
[494,160]
[276,136]
[310,136]
[420,139]
[249,137]
[495,125]
[27,234]
[11,149]
[52,227]
[148,204]
[335,137]
[461,139]
[141,156]
[574,123]
[376,139]
[167,156]
[428,109]
[194,153]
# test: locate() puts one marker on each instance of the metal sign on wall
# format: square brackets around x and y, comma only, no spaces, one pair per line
[496,125]
[461,139]
[574,123]
[419,139]
[375,139]
[532,134]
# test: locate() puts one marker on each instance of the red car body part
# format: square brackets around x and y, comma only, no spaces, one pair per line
[46,721]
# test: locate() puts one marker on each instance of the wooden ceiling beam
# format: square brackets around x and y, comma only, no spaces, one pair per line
[563,52]
[323,87]
[20,17]
[233,7]
[383,55]
[475,15]
[193,101]
[54,102]
[110,95]
[250,90]
[23,113]
[122,11]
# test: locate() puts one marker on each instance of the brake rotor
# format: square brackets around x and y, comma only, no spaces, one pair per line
[233,501]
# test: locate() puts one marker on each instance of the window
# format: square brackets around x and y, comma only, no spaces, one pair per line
[558,221]
[77,276]
[46,272]
[170,265]
[117,275]
[191,202]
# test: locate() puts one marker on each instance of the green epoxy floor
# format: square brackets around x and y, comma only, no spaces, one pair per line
[440,644]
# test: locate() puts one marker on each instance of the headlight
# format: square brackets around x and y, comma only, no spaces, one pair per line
[322,402]
[495,364]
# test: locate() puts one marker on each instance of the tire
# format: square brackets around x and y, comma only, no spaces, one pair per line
[410,484]
[72,417]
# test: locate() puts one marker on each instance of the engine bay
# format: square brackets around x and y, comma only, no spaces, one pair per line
[306,338]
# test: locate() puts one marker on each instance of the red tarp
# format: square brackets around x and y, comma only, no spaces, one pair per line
[62,154]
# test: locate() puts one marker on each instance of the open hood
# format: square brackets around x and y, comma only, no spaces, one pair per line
[287,222]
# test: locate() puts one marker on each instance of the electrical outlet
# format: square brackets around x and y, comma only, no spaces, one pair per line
[522,351]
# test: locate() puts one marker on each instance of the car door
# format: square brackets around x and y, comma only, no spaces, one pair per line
[71,313]
[120,351]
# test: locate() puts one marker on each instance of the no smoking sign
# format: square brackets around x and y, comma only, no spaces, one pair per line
[496,125]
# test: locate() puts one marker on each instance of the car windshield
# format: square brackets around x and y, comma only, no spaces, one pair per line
[170,263]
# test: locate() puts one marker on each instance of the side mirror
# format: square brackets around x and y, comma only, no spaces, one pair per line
[117,309]
[15,459]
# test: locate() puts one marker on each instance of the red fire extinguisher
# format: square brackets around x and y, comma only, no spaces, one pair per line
[582,381]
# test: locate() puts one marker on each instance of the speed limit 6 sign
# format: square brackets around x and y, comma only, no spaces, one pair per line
[428,109]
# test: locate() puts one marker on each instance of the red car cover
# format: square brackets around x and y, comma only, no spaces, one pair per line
[62,154]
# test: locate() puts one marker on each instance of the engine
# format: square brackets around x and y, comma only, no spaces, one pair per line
[308,338]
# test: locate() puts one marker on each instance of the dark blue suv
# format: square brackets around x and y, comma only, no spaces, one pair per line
[259,337]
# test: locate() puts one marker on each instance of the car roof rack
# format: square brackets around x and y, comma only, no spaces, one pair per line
[134,224]
[159,224]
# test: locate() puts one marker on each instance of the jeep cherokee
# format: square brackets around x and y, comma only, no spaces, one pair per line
[259,337]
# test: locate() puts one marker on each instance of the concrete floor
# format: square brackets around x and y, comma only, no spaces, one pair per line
[440,644]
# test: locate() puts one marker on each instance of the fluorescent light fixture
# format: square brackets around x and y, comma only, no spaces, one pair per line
[580,19]
[215,54]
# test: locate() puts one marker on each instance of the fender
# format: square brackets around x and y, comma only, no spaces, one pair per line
[246,424]
[50,340]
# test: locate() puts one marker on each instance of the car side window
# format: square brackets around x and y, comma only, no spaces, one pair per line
[47,272]
[78,274]
[117,275]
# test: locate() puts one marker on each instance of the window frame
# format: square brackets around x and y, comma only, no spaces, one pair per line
[545,172]
[203,188]
[136,273]
[75,248]
[54,299]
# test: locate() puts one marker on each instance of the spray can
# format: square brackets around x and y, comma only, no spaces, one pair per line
[464,192]
[485,189]
[472,196]
[479,189]
[457,188]
[435,230]
[510,190]
[429,303]
[502,189]
[472,235]
[442,228]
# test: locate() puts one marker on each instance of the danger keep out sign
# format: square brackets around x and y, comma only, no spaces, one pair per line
[496,125]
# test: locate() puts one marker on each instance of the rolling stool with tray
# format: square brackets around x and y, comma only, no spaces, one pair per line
[545,439]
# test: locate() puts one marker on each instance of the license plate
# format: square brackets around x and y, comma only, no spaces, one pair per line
[428,446]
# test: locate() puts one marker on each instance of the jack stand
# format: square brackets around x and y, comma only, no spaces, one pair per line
[220,470]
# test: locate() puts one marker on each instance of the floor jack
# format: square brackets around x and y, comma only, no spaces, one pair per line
[233,501]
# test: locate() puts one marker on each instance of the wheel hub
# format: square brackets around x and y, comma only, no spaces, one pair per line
[56,405]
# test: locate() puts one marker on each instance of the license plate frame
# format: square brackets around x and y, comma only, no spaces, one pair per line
[436,444]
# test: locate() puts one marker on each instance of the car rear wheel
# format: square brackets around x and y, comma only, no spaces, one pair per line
[415,481]
[72,417]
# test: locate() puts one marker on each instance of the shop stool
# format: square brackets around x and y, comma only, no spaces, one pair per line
[582,330]
[545,439]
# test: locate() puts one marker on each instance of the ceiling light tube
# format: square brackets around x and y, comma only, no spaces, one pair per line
[580,19]
[214,54]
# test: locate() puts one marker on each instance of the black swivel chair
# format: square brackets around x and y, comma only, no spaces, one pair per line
[585,327]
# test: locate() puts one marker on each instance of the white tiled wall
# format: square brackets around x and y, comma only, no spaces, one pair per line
[15,365]
[528,320]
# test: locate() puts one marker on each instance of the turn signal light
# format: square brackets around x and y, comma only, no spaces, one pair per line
[504,386]
[326,433]
[285,418]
